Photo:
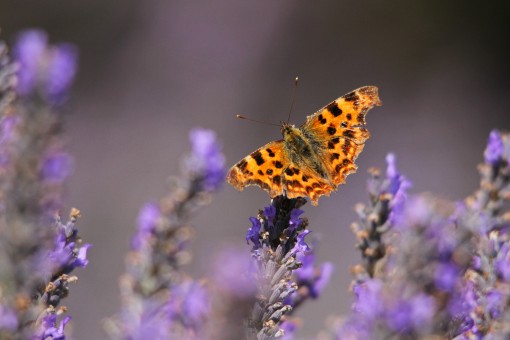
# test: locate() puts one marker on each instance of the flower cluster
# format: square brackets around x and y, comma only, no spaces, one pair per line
[441,266]
[159,299]
[38,251]
[285,271]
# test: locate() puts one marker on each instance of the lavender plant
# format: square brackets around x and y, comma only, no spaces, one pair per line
[38,252]
[440,265]
[429,269]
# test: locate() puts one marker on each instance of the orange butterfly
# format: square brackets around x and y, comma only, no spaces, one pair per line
[314,159]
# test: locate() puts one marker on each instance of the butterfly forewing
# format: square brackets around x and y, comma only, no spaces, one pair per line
[344,117]
[263,167]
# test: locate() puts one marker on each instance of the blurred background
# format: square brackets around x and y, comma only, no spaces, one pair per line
[152,70]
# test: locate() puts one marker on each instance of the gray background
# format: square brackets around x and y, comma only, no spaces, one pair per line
[151,70]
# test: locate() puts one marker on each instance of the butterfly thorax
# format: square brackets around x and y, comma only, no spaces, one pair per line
[302,149]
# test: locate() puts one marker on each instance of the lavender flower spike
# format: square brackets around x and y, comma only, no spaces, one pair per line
[494,150]
[159,299]
[29,52]
[206,159]
[47,71]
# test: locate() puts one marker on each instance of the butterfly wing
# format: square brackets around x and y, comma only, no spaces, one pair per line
[299,182]
[339,128]
[263,167]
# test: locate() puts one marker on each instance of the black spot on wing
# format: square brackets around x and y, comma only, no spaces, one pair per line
[334,109]
[321,119]
[257,156]
[331,130]
[278,164]
[351,97]
[349,133]
[242,165]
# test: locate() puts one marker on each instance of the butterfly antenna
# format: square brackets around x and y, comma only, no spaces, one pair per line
[293,98]
[256,121]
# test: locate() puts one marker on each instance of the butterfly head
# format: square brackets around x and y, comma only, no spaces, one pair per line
[286,128]
[289,132]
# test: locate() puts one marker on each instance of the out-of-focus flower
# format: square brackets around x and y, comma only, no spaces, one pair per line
[315,279]
[206,159]
[147,220]
[8,319]
[494,149]
[57,167]
[189,303]
[38,251]
[61,71]
[154,287]
[288,328]
[29,53]
[49,70]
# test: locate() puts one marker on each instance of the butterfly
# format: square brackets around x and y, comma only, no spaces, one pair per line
[314,159]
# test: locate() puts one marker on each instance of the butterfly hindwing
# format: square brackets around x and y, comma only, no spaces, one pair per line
[304,182]
[263,167]
[339,162]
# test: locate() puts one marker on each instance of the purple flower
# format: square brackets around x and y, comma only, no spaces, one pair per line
[295,221]
[423,308]
[446,275]
[253,233]
[395,184]
[412,313]
[494,149]
[398,315]
[270,214]
[289,329]
[301,246]
[189,303]
[29,51]
[306,275]
[57,167]
[495,303]
[61,72]
[50,329]
[147,220]
[207,159]
[326,271]
[306,272]
[81,258]
[49,69]
[233,271]
[8,125]
[369,302]
[8,319]
[502,262]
